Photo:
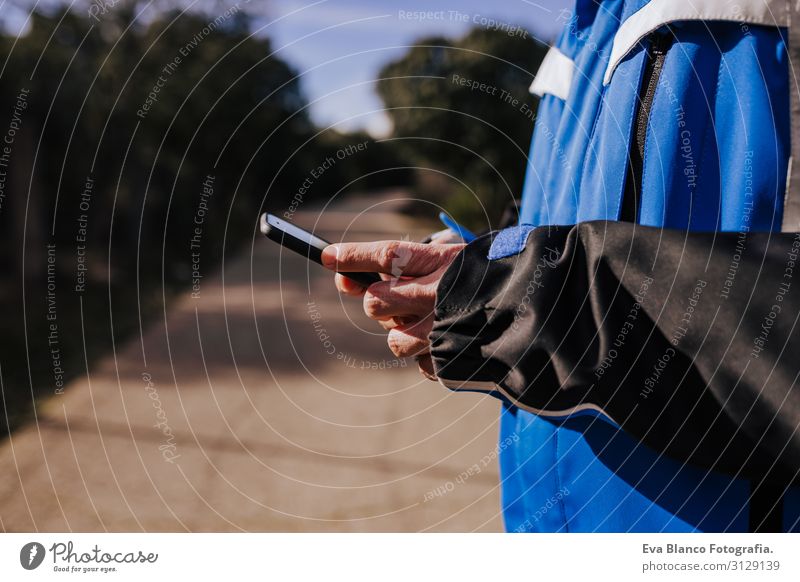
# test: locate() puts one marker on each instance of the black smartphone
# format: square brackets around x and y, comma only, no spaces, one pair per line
[304,243]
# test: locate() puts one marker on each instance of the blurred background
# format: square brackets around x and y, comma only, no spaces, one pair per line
[162,367]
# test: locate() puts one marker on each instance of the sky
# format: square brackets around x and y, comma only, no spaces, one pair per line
[339,46]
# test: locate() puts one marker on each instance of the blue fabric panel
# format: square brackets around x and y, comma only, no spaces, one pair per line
[631,7]
[681,181]
[563,132]
[577,125]
[717,115]
[530,474]
[605,166]
[754,142]
[583,473]
[509,242]
[542,151]
[621,485]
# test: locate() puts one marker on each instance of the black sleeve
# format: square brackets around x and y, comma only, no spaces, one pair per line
[688,341]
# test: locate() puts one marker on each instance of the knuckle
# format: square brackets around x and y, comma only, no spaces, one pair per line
[373,305]
[388,254]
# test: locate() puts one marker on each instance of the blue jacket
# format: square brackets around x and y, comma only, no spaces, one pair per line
[673,114]
[715,158]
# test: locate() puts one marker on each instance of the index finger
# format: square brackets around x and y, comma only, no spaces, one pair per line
[393,257]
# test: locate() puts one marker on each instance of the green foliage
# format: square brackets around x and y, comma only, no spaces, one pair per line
[146,113]
[463,108]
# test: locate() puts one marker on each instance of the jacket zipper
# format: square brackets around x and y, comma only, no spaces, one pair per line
[656,55]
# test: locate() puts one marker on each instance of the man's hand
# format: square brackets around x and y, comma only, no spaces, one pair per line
[403,302]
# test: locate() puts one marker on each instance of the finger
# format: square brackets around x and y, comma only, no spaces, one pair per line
[411,340]
[398,298]
[425,363]
[397,258]
[404,345]
[347,286]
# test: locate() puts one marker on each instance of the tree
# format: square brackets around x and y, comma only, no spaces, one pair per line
[462,107]
[147,113]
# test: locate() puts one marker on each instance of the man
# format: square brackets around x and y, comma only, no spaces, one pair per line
[646,357]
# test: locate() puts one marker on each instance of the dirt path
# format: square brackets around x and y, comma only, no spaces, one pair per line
[264,404]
